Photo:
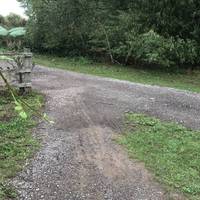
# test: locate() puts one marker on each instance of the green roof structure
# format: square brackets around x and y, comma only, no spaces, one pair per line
[3,31]
[17,32]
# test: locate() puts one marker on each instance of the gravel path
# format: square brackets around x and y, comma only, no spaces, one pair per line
[78,159]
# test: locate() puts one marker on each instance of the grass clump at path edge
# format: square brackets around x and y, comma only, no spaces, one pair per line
[16,141]
[169,150]
[181,80]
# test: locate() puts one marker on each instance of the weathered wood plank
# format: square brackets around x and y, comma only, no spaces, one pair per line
[18,75]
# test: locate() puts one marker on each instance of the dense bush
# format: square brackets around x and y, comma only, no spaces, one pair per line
[149,31]
[152,48]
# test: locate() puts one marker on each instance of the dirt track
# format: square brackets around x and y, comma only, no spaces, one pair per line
[78,159]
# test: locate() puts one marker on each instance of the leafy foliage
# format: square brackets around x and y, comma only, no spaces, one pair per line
[12,20]
[153,48]
[166,33]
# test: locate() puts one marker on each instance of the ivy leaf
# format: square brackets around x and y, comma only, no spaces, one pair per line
[23,115]
[18,108]
[17,103]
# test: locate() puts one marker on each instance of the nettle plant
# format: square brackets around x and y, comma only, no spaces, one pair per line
[21,106]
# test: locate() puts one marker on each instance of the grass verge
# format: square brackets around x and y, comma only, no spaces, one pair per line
[16,141]
[169,150]
[180,80]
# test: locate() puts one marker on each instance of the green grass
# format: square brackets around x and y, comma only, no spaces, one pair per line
[16,141]
[169,150]
[180,80]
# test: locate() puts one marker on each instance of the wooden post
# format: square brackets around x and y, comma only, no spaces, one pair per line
[24,72]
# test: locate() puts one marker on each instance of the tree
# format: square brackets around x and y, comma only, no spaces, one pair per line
[14,20]
[117,28]
[2,20]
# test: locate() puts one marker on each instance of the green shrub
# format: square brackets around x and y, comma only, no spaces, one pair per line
[152,48]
